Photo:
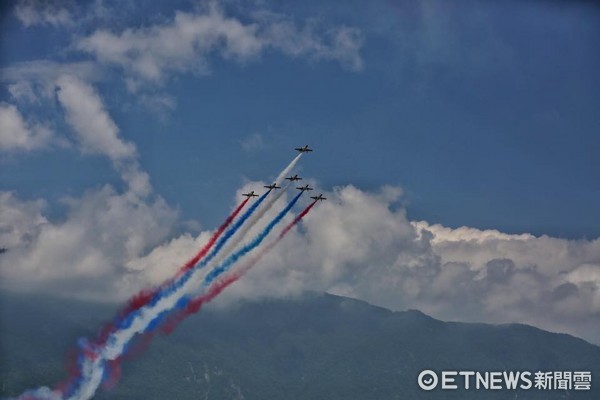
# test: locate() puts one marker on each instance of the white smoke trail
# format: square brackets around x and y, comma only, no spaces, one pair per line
[287,170]
[254,218]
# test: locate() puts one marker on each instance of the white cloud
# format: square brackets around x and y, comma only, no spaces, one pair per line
[466,234]
[180,45]
[97,133]
[104,231]
[357,243]
[22,91]
[35,81]
[184,44]
[85,112]
[86,254]
[55,13]
[19,220]
[18,134]
[340,43]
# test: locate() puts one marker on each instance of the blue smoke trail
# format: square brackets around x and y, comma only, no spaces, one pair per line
[231,231]
[224,266]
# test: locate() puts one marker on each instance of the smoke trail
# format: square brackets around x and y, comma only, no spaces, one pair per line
[243,224]
[230,232]
[220,268]
[144,296]
[190,264]
[270,246]
[212,275]
[241,235]
[179,300]
[113,340]
[151,298]
[194,305]
[287,170]
[146,319]
[141,319]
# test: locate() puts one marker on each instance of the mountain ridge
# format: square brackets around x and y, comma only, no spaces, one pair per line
[317,346]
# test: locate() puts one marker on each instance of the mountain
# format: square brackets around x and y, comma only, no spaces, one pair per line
[319,346]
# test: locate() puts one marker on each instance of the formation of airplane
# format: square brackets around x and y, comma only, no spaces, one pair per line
[250,194]
[303,188]
[273,186]
[304,149]
[294,178]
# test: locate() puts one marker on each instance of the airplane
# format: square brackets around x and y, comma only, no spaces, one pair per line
[250,194]
[273,186]
[294,178]
[319,197]
[304,149]
[303,188]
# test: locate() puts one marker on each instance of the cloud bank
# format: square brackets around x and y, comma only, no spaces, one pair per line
[358,244]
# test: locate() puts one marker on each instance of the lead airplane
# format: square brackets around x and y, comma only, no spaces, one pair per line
[319,197]
[304,149]
[250,194]
[303,188]
[294,178]
[273,186]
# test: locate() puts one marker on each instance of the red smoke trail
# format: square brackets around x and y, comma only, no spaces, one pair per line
[144,296]
[190,264]
[296,220]
[195,304]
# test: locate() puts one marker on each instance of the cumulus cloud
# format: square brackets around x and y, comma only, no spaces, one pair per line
[18,134]
[86,254]
[183,44]
[362,245]
[90,251]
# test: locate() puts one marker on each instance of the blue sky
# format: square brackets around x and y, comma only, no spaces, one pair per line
[484,112]
[456,142]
